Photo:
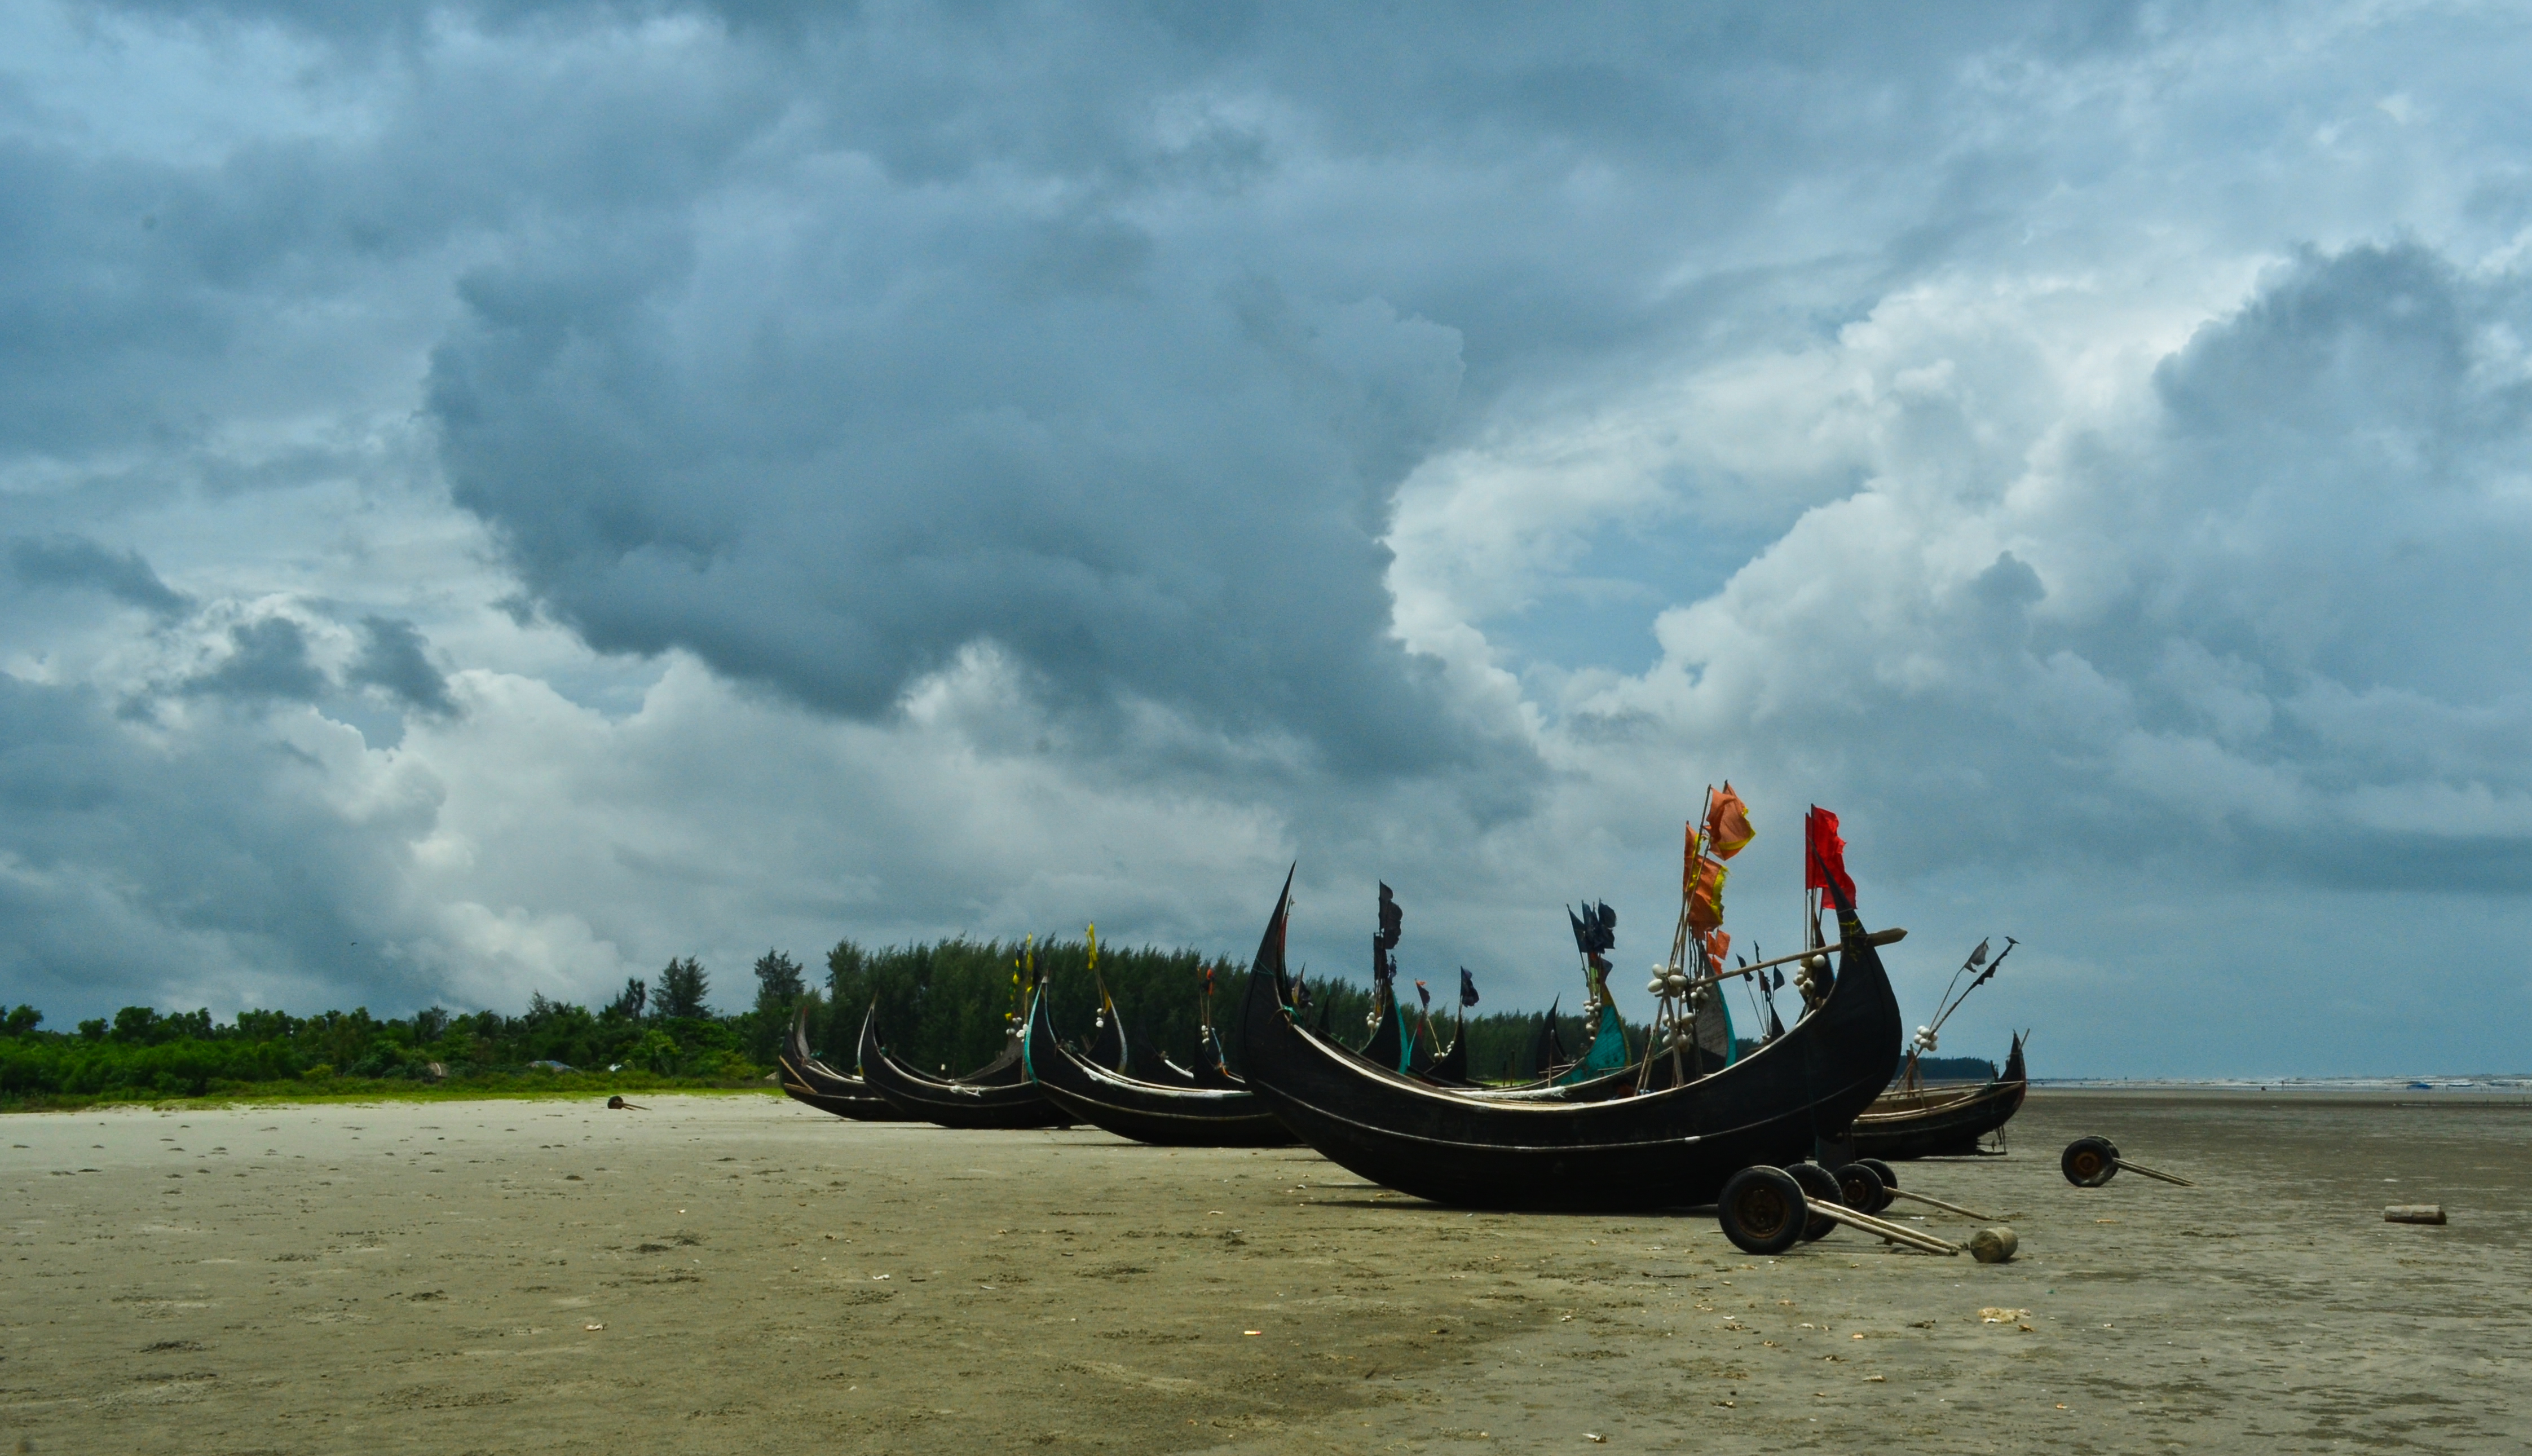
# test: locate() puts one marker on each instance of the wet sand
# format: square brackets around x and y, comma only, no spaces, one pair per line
[744,1274]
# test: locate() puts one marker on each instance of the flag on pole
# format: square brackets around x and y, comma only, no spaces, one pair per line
[1705,891]
[1825,863]
[1727,824]
[1989,974]
[1467,987]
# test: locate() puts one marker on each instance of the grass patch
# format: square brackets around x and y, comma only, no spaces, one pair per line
[570,1085]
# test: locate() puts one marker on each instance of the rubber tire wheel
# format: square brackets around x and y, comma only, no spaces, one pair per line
[1861,1189]
[1762,1210]
[1889,1181]
[1820,1185]
[2090,1162]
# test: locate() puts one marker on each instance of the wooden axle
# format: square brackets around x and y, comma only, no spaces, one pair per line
[1866,1223]
[1901,1193]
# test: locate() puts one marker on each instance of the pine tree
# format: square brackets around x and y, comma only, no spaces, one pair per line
[682,989]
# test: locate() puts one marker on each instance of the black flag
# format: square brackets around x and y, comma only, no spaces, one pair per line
[1389,919]
[1424,995]
[1467,987]
[1595,930]
[1989,974]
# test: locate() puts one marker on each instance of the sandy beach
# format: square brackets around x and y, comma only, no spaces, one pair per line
[726,1274]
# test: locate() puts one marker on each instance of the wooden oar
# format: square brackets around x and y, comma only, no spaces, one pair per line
[1901,1193]
[2151,1173]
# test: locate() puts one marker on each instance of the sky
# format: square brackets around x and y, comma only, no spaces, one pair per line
[493,497]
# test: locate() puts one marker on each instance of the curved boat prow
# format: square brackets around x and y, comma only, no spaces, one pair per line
[1663,1148]
[1147,1112]
[997,1096]
[805,1079]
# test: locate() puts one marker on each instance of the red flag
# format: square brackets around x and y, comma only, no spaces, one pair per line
[1717,946]
[1826,861]
[1727,824]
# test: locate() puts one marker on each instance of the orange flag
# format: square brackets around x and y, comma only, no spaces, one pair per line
[1717,946]
[1705,896]
[1727,824]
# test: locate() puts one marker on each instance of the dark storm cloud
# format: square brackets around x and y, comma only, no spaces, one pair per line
[77,562]
[266,659]
[1174,497]
[823,344]
[393,657]
[1023,355]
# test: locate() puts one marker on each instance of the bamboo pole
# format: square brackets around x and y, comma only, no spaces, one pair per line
[1866,1223]
[1887,937]
[2151,1173]
[1663,1012]
[1901,1193]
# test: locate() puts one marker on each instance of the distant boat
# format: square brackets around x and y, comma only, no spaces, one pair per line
[1913,1121]
[1946,1122]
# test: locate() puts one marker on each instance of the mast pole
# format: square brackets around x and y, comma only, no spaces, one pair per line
[1666,1012]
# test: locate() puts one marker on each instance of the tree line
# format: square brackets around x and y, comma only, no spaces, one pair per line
[944,1006]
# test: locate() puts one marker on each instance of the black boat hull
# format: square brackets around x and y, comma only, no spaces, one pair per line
[805,1079]
[997,1096]
[1146,1112]
[1900,1126]
[1657,1149]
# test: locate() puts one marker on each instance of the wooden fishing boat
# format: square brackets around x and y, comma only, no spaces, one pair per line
[805,1079]
[1941,1122]
[1145,1111]
[998,1094]
[1648,1150]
